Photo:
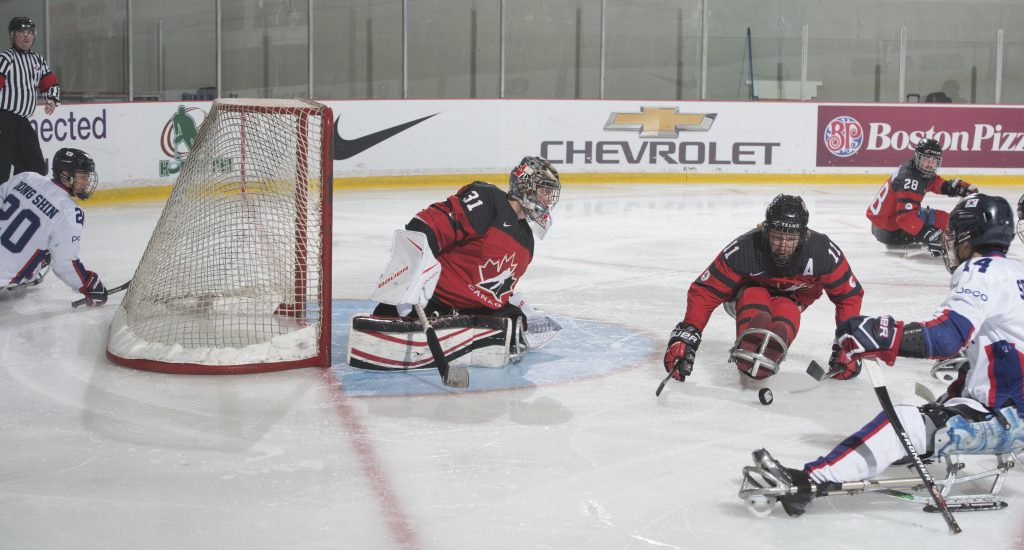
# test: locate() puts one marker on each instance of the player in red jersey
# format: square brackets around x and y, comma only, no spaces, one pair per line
[897,218]
[768,276]
[483,239]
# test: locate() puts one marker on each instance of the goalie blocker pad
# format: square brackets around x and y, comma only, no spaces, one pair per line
[386,343]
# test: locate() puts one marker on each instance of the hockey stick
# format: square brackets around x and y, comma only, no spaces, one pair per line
[676,367]
[453,377]
[875,372]
[818,372]
[114,290]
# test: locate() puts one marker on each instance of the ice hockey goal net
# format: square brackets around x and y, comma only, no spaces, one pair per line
[237,274]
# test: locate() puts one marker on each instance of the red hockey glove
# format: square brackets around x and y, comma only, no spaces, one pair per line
[861,337]
[851,367]
[682,349]
[94,291]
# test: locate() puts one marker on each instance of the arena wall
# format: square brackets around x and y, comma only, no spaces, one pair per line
[446,142]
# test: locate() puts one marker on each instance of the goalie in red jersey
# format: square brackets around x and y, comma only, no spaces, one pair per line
[897,218]
[767,277]
[463,257]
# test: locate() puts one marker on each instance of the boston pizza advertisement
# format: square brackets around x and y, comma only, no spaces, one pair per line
[884,136]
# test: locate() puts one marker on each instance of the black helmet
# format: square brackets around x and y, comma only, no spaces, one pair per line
[984,221]
[67,162]
[927,147]
[787,213]
[19,23]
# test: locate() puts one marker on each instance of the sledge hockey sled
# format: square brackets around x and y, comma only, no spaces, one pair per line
[1001,436]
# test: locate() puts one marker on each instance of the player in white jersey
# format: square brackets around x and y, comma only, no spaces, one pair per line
[40,225]
[982,312]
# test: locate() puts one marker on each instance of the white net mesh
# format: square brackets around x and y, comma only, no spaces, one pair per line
[234,271]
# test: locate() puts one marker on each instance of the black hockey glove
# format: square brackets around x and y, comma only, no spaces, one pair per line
[682,349]
[932,238]
[94,291]
[958,188]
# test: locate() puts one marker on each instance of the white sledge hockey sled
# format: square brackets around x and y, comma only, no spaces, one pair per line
[1001,437]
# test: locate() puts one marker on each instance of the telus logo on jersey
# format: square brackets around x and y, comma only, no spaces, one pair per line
[653,125]
[497,277]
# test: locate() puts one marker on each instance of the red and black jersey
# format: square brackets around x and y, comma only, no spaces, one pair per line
[482,245]
[898,203]
[818,265]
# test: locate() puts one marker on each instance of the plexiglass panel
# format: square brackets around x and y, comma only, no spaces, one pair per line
[358,49]
[88,49]
[265,48]
[454,48]
[175,49]
[553,48]
[653,49]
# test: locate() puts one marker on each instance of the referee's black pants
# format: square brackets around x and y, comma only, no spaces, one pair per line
[19,146]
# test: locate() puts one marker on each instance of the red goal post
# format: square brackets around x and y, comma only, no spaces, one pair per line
[236,277]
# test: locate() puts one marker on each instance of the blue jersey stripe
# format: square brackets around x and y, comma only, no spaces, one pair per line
[947,335]
[1006,371]
[850,444]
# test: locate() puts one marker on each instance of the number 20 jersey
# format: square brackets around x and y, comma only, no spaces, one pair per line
[37,215]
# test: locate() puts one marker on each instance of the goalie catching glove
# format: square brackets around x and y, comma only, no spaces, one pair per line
[682,350]
[861,337]
[94,291]
[411,275]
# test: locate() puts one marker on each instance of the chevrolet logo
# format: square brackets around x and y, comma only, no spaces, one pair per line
[660,122]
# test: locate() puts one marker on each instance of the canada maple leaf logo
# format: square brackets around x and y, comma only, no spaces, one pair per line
[497,276]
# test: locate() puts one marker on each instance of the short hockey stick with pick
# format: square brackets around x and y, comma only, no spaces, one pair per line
[115,290]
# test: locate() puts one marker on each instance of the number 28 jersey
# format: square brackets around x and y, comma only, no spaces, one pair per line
[482,245]
[898,203]
[37,215]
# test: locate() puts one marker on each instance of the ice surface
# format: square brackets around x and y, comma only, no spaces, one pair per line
[98,456]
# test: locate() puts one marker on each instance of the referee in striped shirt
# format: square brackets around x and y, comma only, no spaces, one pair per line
[22,72]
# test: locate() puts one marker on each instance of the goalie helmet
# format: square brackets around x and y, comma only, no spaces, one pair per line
[535,184]
[785,226]
[928,156]
[983,221]
[75,169]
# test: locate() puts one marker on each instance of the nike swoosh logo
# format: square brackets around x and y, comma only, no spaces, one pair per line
[506,224]
[348,148]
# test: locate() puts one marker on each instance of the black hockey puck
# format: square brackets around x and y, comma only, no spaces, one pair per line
[764,395]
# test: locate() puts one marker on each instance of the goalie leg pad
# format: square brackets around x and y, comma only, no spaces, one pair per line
[383,343]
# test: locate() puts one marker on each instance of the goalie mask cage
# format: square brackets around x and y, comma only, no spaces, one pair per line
[237,274]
